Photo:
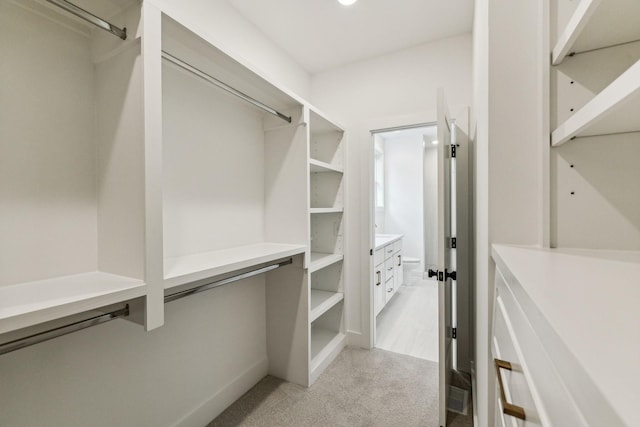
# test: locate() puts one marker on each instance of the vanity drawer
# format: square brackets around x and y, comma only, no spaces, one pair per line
[388,269]
[397,246]
[388,250]
[378,256]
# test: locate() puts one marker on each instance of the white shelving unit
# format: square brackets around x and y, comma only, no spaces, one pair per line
[326,212]
[72,206]
[596,127]
[595,25]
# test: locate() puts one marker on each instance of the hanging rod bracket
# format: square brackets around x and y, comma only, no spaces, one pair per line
[90,17]
[211,285]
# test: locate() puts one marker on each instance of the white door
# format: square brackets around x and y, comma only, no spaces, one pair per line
[445,261]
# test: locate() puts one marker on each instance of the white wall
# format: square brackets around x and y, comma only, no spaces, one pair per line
[510,140]
[403,193]
[370,94]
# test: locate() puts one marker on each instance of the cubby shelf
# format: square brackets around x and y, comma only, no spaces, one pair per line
[30,303]
[325,210]
[614,110]
[596,24]
[321,260]
[186,269]
[316,166]
[321,301]
[324,343]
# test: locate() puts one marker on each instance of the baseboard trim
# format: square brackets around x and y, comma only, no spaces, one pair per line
[224,397]
[354,339]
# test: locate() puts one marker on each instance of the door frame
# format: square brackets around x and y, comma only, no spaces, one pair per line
[464,322]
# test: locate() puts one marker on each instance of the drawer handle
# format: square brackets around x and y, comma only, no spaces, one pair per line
[508,408]
[399,260]
[390,269]
[379,278]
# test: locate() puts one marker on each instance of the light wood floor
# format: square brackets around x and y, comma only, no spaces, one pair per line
[408,324]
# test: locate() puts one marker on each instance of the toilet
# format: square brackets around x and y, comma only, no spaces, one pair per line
[410,267]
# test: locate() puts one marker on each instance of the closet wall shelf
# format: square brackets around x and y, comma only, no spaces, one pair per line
[190,268]
[324,343]
[322,301]
[321,260]
[325,210]
[614,110]
[31,303]
[597,24]
[316,166]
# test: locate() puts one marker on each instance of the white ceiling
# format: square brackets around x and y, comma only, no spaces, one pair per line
[322,34]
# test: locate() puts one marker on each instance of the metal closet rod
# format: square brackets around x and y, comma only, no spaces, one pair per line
[62,330]
[90,17]
[211,285]
[222,85]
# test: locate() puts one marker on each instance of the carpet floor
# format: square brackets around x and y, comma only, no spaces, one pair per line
[360,388]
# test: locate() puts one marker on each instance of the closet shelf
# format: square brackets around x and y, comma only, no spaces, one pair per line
[321,260]
[186,269]
[27,304]
[322,301]
[324,343]
[596,24]
[325,210]
[316,166]
[614,110]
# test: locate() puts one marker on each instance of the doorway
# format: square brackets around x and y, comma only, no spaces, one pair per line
[405,228]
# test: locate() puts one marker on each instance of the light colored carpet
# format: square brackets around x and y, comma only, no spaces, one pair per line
[360,388]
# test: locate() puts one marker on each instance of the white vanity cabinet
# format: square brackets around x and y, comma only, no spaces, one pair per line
[570,364]
[387,274]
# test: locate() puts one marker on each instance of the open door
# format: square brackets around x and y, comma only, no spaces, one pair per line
[446,262]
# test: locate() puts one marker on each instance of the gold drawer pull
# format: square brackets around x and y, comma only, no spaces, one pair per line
[508,408]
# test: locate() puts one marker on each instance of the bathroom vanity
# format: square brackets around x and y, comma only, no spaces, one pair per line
[387,271]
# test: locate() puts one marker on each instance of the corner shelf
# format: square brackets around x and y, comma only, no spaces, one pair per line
[186,269]
[322,301]
[596,24]
[30,303]
[317,166]
[321,260]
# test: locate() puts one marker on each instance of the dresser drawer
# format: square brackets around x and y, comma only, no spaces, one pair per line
[507,364]
[388,269]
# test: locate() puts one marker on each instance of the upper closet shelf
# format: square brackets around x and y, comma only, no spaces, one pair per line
[31,303]
[316,166]
[321,260]
[614,110]
[596,24]
[186,269]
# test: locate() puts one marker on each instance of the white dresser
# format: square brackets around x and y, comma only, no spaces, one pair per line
[566,337]
[388,272]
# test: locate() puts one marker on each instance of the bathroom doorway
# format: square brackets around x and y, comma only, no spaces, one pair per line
[405,227]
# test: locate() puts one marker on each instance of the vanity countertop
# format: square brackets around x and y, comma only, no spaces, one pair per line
[384,239]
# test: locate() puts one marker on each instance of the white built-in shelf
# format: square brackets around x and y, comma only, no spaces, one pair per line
[596,24]
[31,303]
[321,260]
[614,110]
[316,166]
[325,210]
[186,269]
[321,301]
[323,343]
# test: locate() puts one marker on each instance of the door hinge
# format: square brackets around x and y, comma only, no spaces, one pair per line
[453,150]
[454,243]
[450,275]
[370,251]
[454,333]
